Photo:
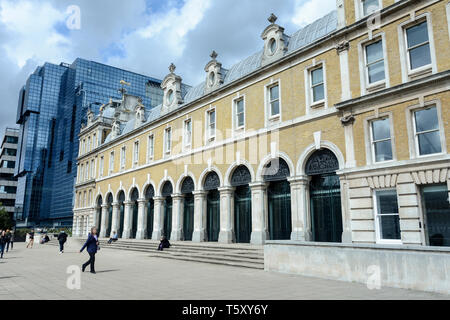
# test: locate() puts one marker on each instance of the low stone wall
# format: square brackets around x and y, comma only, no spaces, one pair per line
[408,267]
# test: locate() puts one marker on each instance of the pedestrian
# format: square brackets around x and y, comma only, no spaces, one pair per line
[62,238]
[113,238]
[164,243]
[8,239]
[31,239]
[11,241]
[92,246]
[2,243]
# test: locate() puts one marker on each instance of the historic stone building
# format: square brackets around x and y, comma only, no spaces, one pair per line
[336,133]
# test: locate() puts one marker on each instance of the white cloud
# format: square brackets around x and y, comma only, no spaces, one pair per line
[308,11]
[32,34]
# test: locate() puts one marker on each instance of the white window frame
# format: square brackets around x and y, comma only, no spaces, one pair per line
[370,150]
[87,172]
[111,163]
[359,9]
[410,125]
[269,118]
[167,141]
[92,169]
[210,137]
[150,147]
[187,141]
[407,73]
[88,144]
[234,113]
[377,217]
[364,72]
[135,153]
[81,173]
[310,105]
[83,150]
[102,165]
[123,157]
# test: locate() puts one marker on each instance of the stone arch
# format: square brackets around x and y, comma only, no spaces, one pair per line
[116,198]
[233,167]
[271,157]
[107,197]
[205,172]
[301,163]
[181,180]
[134,193]
[134,186]
[98,197]
[161,184]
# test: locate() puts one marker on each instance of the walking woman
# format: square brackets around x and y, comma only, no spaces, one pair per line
[92,246]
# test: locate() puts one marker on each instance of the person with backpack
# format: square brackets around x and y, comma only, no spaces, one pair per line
[62,238]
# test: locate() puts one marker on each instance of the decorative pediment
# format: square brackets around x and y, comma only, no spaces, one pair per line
[275,41]
[140,115]
[214,76]
[172,90]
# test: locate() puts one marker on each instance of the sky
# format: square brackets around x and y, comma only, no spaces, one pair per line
[143,36]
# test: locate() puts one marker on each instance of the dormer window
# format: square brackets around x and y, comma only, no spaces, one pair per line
[275,42]
[170,97]
[172,91]
[214,77]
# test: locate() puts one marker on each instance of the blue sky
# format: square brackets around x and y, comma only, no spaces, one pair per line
[143,36]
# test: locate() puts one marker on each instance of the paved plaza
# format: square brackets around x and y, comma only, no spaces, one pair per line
[41,273]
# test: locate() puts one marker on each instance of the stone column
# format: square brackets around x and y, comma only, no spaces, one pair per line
[259,213]
[199,234]
[177,217]
[76,226]
[301,225]
[95,217]
[345,208]
[128,219]
[104,222]
[342,50]
[158,220]
[142,219]
[347,122]
[226,234]
[115,218]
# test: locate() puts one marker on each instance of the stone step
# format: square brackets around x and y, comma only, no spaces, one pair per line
[249,256]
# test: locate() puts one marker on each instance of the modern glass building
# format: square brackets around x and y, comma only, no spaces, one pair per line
[52,106]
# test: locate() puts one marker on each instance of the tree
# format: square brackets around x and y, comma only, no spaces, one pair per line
[5,219]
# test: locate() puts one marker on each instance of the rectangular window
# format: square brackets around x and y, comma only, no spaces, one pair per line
[387,217]
[426,131]
[86,173]
[375,62]
[370,6]
[187,133]
[381,140]
[418,46]
[211,124]
[136,153]
[274,100]
[317,85]
[111,162]
[102,163]
[168,140]
[122,157]
[240,113]
[81,173]
[92,169]
[94,140]
[88,144]
[150,147]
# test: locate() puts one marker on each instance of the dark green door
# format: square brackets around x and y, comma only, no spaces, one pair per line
[326,217]
[188,219]
[121,213]
[279,200]
[168,217]
[108,230]
[213,215]
[135,220]
[437,214]
[99,227]
[150,218]
[242,214]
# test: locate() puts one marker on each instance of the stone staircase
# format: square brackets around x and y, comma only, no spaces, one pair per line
[236,255]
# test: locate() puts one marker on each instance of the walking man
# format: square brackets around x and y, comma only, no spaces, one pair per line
[2,243]
[8,239]
[62,238]
[31,239]
[92,247]
[11,240]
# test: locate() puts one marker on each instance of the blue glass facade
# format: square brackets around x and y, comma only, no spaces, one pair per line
[52,105]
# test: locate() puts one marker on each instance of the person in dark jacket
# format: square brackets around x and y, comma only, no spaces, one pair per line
[31,239]
[92,247]
[11,240]
[8,239]
[62,238]
[164,243]
[2,243]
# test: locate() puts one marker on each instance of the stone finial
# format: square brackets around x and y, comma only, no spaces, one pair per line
[214,55]
[272,18]
[172,68]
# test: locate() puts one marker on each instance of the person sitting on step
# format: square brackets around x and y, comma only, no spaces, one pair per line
[113,238]
[164,243]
